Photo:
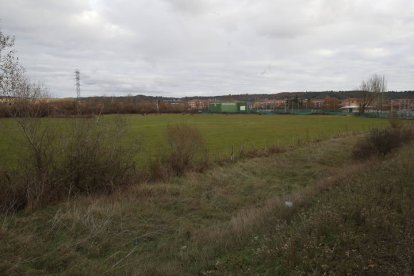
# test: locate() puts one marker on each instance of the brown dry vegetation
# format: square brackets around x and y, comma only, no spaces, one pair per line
[380,142]
[187,151]
[54,166]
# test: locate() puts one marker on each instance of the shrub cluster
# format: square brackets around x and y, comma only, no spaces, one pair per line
[381,142]
[90,158]
[186,151]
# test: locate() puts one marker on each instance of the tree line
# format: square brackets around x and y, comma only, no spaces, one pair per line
[92,106]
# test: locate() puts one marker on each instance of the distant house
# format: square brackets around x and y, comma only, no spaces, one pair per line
[349,102]
[198,104]
[317,103]
[280,103]
[264,104]
[403,107]
[349,105]
[350,108]
[402,104]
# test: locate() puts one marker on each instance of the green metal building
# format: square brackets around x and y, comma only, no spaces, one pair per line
[228,107]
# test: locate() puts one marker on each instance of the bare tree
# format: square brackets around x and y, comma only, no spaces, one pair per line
[19,92]
[372,90]
[10,70]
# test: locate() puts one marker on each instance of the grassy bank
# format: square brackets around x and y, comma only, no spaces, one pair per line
[229,219]
[361,224]
[222,133]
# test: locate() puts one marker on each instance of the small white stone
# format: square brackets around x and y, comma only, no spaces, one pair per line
[289,204]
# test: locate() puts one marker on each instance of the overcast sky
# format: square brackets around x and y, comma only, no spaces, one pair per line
[211,47]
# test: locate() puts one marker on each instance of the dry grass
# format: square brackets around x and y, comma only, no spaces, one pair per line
[215,240]
[361,221]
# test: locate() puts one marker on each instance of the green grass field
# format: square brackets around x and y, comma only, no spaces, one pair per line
[221,132]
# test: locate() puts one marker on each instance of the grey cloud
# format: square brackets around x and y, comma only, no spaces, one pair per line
[189,6]
[208,47]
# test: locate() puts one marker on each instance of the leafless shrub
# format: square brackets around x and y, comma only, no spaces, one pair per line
[89,158]
[405,133]
[159,170]
[12,194]
[276,149]
[187,149]
[363,149]
[381,142]
[96,159]
[395,122]
[38,165]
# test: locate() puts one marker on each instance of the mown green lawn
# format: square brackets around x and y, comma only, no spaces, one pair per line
[221,132]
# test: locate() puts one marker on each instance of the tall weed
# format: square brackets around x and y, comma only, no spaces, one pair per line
[187,149]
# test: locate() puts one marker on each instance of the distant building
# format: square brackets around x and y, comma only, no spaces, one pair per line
[280,103]
[316,103]
[402,104]
[350,108]
[264,104]
[228,107]
[403,107]
[199,105]
[349,102]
